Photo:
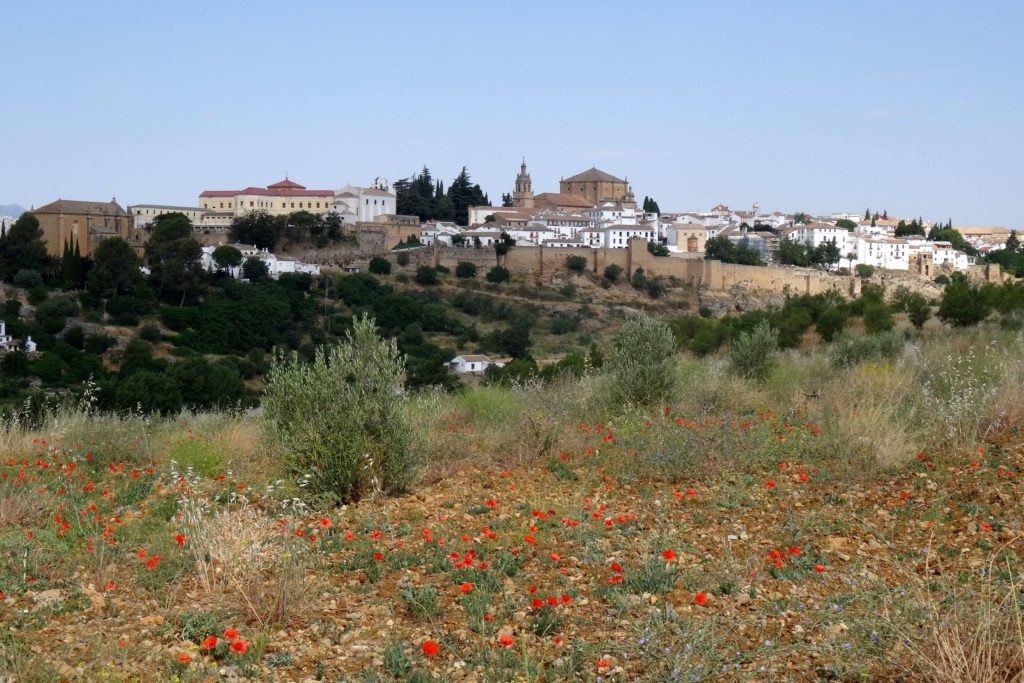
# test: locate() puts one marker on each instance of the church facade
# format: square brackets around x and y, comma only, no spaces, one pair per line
[598,187]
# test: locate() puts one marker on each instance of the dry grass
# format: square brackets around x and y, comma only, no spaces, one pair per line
[249,556]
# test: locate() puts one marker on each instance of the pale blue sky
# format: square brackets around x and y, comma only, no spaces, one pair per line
[912,107]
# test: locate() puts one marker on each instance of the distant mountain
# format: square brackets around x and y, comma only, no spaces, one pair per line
[11,210]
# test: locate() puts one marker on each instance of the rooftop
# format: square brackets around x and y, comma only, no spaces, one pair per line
[593,175]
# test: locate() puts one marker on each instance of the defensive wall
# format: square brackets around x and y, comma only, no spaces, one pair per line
[541,261]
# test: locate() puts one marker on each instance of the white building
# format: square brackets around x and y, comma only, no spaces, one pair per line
[883,252]
[615,236]
[611,213]
[439,231]
[145,213]
[816,234]
[472,364]
[364,204]
[486,237]
[562,224]
[7,342]
[275,266]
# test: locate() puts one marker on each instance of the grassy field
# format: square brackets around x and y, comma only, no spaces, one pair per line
[836,521]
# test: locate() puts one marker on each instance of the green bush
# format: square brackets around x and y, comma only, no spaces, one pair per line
[918,309]
[340,418]
[403,258]
[498,274]
[754,354]
[465,269]
[426,275]
[865,270]
[962,304]
[150,332]
[576,264]
[877,317]
[613,272]
[642,367]
[380,266]
[848,350]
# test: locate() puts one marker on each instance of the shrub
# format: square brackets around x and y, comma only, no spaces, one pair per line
[642,367]
[341,419]
[918,309]
[150,332]
[498,274]
[576,264]
[199,455]
[962,304]
[864,270]
[465,269]
[426,275]
[639,279]
[403,258]
[753,354]
[613,272]
[28,278]
[848,350]
[877,317]
[380,266]
[831,322]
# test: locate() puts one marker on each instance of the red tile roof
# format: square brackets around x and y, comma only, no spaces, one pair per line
[285,188]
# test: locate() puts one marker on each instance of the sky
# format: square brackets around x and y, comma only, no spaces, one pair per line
[914,108]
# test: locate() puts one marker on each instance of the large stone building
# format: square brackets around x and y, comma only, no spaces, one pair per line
[68,221]
[279,199]
[598,187]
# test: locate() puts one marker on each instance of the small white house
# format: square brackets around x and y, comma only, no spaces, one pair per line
[472,364]
[6,340]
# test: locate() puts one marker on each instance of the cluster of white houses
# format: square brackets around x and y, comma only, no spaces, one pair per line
[276,267]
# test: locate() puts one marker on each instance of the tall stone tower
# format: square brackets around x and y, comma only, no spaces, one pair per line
[523,195]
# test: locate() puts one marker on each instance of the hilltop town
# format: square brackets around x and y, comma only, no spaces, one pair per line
[591,210]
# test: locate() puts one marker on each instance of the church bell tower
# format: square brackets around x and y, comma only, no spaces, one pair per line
[523,195]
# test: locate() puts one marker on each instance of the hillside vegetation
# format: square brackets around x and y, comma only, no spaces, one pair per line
[845,512]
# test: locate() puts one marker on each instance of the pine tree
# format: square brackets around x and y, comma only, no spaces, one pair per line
[867,214]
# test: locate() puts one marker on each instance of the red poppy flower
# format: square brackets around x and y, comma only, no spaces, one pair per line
[701,599]
[566,599]
[239,647]
[230,633]
[430,648]
[669,555]
[529,539]
[466,587]
[506,641]
[554,557]
[378,556]
[616,567]
[152,562]
[209,642]
[180,540]
[537,603]
[769,483]
[325,523]
[603,664]
[184,658]
[793,550]
[819,567]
